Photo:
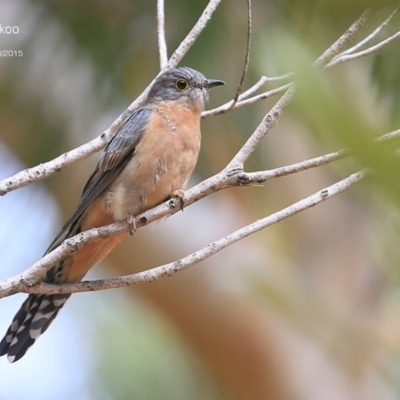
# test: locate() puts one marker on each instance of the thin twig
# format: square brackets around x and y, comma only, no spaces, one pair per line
[262,81]
[389,135]
[44,170]
[162,43]
[266,124]
[344,40]
[263,176]
[369,37]
[252,100]
[246,58]
[348,57]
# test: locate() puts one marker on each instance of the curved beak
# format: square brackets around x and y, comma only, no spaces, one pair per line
[210,83]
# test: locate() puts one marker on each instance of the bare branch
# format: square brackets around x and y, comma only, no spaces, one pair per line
[43,171]
[267,123]
[162,43]
[347,57]
[388,136]
[230,106]
[200,255]
[262,81]
[246,58]
[34,274]
[344,40]
[369,37]
[262,176]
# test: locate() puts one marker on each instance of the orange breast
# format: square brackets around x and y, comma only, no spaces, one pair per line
[163,161]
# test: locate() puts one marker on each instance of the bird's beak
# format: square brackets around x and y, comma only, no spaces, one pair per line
[210,83]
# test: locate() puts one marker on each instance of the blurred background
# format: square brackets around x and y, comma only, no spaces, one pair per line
[307,309]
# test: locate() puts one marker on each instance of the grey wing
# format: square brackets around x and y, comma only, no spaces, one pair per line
[115,157]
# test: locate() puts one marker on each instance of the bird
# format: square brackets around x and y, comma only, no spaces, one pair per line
[149,160]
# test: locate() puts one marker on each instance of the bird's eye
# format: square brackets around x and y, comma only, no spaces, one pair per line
[181,84]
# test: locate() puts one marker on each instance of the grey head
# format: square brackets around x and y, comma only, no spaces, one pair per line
[182,84]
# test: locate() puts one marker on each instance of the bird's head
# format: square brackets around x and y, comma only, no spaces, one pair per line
[183,84]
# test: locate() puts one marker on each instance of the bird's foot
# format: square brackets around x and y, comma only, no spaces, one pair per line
[131,224]
[178,195]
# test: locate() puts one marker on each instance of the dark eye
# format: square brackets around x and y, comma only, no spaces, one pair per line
[181,84]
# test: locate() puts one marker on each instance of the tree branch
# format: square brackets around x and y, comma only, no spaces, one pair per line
[262,81]
[169,269]
[344,40]
[266,124]
[231,105]
[370,36]
[43,171]
[348,57]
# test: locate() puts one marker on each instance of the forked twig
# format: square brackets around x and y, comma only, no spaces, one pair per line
[370,36]
[344,40]
[348,57]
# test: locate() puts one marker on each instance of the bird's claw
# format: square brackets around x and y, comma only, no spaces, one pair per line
[179,195]
[131,224]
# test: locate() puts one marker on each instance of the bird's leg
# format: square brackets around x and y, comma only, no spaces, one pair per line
[131,224]
[180,196]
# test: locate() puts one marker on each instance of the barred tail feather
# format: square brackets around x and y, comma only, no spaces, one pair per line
[33,318]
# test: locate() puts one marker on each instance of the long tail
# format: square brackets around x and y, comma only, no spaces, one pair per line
[39,310]
[32,319]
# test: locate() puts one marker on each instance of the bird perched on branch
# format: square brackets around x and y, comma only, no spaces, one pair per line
[149,160]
